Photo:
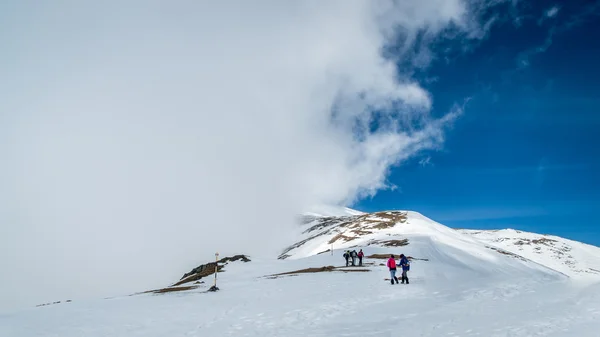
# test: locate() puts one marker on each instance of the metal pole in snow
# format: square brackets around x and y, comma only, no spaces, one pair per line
[216,267]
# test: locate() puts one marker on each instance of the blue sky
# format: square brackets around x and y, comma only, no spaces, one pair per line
[525,154]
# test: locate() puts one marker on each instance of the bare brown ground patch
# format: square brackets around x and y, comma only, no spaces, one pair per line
[390,216]
[354,226]
[341,236]
[173,289]
[381,256]
[308,270]
[379,220]
[361,232]
[395,243]
[166,290]
[325,269]
[543,241]
[383,225]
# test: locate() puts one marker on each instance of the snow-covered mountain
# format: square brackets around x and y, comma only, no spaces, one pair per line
[576,259]
[322,233]
[462,283]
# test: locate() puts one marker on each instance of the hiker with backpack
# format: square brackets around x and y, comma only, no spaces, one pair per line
[360,257]
[354,255]
[405,264]
[346,256]
[391,264]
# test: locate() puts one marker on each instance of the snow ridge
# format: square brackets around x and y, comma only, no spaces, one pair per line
[576,259]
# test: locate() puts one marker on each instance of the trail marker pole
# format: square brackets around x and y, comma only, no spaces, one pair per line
[216,267]
[214,287]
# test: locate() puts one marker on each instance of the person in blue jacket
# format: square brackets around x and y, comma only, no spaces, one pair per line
[405,264]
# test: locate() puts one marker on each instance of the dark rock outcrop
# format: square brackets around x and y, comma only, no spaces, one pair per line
[209,269]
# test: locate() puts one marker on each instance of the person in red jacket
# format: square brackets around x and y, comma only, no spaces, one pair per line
[360,256]
[391,264]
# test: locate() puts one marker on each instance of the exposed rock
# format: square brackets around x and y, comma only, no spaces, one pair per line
[50,303]
[209,269]
[344,229]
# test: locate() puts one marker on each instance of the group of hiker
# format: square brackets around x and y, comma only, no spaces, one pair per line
[404,263]
[352,255]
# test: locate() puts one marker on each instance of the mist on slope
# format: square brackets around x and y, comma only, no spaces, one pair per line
[139,138]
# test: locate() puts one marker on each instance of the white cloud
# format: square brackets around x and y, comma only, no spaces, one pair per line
[551,12]
[139,138]
[426,161]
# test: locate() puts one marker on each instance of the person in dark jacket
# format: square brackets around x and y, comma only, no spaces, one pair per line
[353,254]
[346,256]
[405,264]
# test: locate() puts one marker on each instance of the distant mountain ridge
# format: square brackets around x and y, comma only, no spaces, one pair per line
[570,257]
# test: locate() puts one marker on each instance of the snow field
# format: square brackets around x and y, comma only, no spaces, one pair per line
[444,298]
[463,289]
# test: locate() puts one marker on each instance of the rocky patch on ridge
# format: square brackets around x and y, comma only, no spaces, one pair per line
[342,229]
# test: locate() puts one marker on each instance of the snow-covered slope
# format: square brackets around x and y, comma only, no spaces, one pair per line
[403,231]
[576,259]
[387,229]
[410,230]
[442,300]
[461,284]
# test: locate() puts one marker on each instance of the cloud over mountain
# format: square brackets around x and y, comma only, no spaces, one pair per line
[144,134]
